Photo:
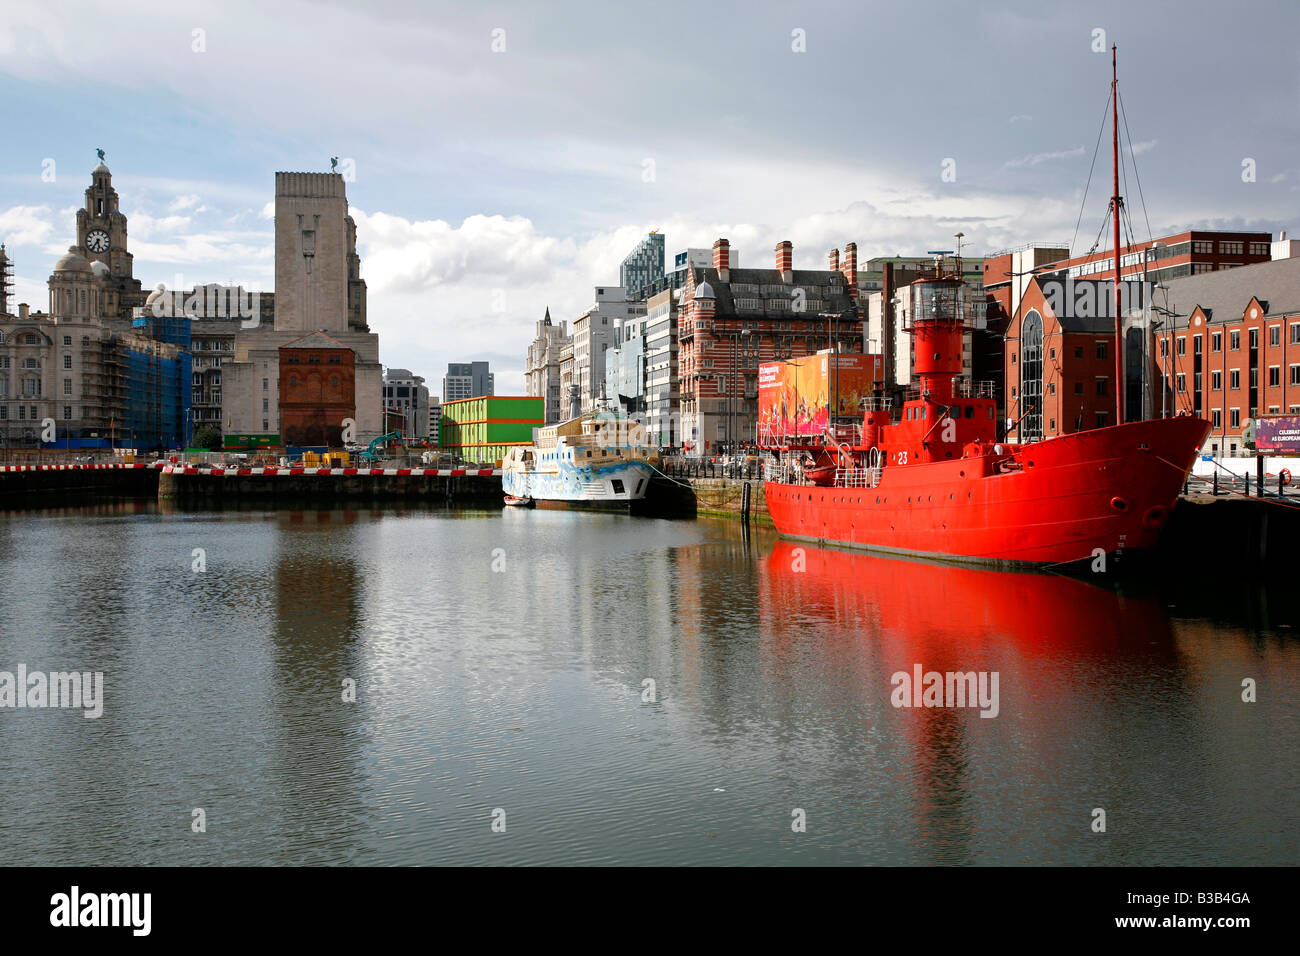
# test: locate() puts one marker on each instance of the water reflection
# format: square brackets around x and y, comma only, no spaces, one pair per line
[500,660]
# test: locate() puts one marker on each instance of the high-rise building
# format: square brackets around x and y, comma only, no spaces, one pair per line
[319,290]
[406,394]
[593,335]
[435,420]
[663,414]
[643,265]
[467,380]
[625,369]
[675,277]
[542,366]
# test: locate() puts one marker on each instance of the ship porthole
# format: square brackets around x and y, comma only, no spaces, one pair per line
[1119,504]
[1154,516]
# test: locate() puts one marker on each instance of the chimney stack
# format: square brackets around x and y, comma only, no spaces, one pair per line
[850,270]
[785,260]
[833,259]
[722,259]
[22,310]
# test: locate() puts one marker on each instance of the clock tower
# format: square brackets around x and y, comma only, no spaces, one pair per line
[101,238]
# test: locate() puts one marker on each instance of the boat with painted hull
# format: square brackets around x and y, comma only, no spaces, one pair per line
[592,462]
[929,478]
[1069,499]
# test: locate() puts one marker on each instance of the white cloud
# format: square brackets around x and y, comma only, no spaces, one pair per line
[1033,159]
[145,226]
[26,225]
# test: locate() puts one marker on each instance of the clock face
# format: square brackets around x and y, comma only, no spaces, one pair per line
[97,240]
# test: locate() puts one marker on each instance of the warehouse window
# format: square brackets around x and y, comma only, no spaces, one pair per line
[1031,376]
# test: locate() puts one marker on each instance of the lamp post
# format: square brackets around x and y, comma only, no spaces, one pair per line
[736,338]
[833,343]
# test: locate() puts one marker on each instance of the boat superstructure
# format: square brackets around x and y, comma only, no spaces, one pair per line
[591,461]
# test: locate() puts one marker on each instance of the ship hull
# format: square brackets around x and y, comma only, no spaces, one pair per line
[1076,497]
[608,488]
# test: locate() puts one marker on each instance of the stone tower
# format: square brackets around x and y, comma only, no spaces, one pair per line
[101,226]
[318,285]
[101,239]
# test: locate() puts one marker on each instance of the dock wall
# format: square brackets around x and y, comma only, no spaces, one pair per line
[40,486]
[441,486]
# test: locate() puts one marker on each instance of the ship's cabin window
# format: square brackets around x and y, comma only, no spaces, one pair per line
[923,411]
[970,411]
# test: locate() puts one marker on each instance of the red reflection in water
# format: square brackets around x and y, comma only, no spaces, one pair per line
[1068,654]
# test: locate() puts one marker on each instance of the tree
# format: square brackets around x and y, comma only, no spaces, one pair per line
[208,437]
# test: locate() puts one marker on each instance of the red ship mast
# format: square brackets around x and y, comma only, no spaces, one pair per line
[1114,209]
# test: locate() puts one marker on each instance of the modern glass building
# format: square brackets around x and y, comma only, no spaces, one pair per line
[663,420]
[625,370]
[643,265]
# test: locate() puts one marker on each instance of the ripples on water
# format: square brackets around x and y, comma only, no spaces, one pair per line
[521,689]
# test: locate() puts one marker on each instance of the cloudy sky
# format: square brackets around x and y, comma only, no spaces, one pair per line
[507,156]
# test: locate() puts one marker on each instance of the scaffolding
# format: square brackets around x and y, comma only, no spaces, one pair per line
[6,281]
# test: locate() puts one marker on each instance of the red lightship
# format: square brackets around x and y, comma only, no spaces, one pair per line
[935,482]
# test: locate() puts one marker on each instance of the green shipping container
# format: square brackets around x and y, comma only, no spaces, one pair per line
[491,422]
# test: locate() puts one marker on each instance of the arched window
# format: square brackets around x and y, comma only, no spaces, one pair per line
[1031,377]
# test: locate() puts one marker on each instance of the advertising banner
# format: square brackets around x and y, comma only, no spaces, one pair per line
[796,396]
[1277,434]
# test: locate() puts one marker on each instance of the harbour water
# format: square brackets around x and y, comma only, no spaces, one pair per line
[501,663]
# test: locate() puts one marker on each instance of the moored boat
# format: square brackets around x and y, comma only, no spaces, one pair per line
[930,478]
[594,461]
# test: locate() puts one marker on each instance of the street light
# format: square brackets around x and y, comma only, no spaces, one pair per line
[731,386]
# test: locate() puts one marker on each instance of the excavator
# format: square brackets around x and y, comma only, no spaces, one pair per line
[370,456]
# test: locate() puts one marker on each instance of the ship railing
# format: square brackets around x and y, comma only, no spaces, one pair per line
[961,388]
[877,404]
[856,477]
[783,472]
[845,434]
[964,388]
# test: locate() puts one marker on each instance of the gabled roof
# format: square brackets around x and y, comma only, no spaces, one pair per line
[1087,305]
[1224,295]
[314,340]
[802,278]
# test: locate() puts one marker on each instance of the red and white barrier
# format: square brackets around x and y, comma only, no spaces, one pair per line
[330,472]
[117,467]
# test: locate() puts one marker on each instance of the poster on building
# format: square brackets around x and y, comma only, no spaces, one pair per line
[796,396]
[1277,434]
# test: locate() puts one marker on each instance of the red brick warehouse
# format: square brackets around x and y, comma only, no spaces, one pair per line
[317,390]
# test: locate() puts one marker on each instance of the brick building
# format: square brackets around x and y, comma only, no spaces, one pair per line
[317,390]
[1230,348]
[1059,367]
[733,319]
